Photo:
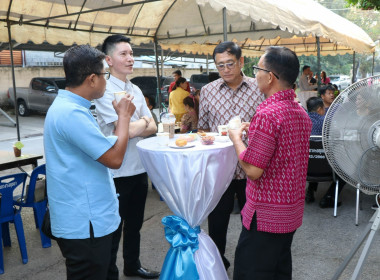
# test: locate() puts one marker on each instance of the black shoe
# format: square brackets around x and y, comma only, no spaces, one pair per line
[226,262]
[328,202]
[142,272]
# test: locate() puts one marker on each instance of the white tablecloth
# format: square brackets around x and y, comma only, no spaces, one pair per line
[303,96]
[192,181]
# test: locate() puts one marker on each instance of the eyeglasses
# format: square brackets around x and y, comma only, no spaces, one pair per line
[230,65]
[256,69]
[106,74]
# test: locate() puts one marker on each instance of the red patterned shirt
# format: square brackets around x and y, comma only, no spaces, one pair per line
[278,143]
[219,103]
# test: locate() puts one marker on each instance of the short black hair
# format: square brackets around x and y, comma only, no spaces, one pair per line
[305,67]
[81,61]
[111,41]
[283,62]
[180,81]
[228,46]
[314,103]
[322,90]
[151,100]
[178,72]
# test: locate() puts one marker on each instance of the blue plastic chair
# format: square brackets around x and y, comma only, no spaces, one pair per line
[39,207]
[10,213]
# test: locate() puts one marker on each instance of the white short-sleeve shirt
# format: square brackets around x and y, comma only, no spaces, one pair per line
[106,116]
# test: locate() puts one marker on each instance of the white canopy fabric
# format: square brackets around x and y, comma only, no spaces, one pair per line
[255,48]
[181,23]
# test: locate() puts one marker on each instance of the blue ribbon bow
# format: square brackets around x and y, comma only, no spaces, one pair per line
[179,261]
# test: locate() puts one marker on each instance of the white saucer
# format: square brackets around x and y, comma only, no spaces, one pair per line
[188,145]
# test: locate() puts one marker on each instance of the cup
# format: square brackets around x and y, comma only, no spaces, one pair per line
[223,130]
[17,152]
[234,123]
[119,95]
[163,138]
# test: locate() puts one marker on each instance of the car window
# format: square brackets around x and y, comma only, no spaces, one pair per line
[61,83]
[43,85]
[199,78]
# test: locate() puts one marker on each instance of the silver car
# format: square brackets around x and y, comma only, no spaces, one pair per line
[342,81]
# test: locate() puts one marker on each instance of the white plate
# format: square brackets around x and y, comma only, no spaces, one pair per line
[212,133]
[222,139]
[188,145]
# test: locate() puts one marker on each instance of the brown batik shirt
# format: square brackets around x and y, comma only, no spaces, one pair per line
[219,103]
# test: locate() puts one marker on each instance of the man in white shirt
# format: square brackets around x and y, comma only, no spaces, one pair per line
[130,179]
[303,81]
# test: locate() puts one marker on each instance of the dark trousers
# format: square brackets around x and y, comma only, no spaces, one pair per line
[86,258]
[132,192]
[262,255]
[220,217]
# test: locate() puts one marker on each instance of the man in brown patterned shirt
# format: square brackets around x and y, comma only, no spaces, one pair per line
[231,95]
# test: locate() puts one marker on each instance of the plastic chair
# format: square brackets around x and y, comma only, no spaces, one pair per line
[9,213]
[319,169]
[39,204]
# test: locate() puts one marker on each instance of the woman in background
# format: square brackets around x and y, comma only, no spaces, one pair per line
[176,97]
[324,79]
[189,121]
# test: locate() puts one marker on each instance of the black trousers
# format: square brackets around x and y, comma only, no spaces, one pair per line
[86,258]
[263,255]
[132,192]
[220,217]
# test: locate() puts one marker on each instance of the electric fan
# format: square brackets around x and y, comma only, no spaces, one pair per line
[351,140]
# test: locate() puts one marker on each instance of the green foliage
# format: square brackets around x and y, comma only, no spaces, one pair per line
[339,64]
[365,4]
[248,63]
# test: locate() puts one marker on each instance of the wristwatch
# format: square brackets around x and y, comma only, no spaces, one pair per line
[147,121]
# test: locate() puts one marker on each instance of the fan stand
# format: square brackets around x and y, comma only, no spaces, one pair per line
[371,229]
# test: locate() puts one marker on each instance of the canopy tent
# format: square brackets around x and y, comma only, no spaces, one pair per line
[255,48]
[177,23]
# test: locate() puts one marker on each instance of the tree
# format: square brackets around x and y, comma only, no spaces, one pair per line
[365,4]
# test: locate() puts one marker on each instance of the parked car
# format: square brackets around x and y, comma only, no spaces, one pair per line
[342,81]
[39,95]
[148,86]
[197,81]
[165,89]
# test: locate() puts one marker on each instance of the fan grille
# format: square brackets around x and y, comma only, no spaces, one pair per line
[348,134]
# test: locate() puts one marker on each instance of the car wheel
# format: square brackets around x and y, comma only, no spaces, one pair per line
[22,108]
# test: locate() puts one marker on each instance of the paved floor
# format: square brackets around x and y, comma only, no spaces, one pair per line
[319,246]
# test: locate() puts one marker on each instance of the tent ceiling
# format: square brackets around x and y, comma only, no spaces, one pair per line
[175,21]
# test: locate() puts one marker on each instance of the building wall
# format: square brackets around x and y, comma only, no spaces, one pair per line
[23,76]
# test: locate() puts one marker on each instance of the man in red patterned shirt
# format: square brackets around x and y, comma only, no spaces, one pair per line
[231,95]
[275,162]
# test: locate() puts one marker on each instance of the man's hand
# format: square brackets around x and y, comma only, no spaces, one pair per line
[236,134]
[125,107]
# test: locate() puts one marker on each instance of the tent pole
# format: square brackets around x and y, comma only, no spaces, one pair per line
[353,68]
[207,64]
[318,62]
[224,24]
[373,62]
[162,63]
[13,79]
[158,75]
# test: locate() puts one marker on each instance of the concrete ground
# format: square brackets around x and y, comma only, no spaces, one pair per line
[319,246]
